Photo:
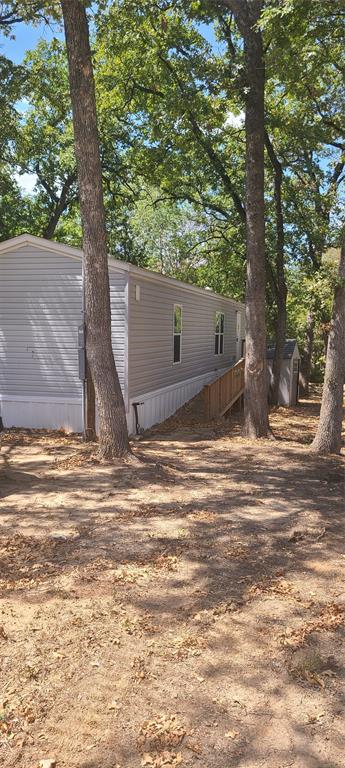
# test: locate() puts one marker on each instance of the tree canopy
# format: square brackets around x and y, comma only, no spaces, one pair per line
[171,91]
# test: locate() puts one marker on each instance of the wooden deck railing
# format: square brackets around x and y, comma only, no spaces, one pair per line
[222,393]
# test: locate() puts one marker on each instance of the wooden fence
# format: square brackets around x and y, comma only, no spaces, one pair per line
[222,393]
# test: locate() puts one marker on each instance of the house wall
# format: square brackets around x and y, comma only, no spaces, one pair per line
[242,329]
[151,365]
[285,381]
[294,376]
[155,407]
[118,280]
[40,311]
[286,395]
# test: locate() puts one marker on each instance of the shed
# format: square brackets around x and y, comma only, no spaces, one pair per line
[169,337]
[288,386]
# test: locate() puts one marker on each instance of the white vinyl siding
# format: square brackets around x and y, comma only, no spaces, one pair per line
[119,322]
[151,363]
[40,310]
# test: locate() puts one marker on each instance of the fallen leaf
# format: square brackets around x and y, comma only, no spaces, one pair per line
[49,763]
[194,748]
[315,718]
[231,734]
[147,759]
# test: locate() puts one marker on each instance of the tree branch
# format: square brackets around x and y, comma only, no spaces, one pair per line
[206,144]
[50,191]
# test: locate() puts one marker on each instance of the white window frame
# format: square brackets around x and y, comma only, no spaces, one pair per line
[220,335]
[178,333]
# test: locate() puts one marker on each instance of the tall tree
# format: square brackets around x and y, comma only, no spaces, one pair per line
[44,145]
[247,14]
[278,279]
[113,433]
[305,57]
[328,435]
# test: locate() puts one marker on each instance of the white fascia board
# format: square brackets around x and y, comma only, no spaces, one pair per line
[26,240]
[22,241]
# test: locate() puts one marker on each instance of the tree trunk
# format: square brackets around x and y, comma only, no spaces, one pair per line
[316,250]
[256,381]
[280,338]
[280,287]
[49,230]
[328,435]
[60,205]
[54,219]
[306,356]
[113,433]
[247,14]
[325,333]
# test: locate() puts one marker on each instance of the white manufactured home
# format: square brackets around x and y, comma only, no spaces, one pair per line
[169,338]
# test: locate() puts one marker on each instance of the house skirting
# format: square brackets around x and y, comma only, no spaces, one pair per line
[33,412]
[159,405]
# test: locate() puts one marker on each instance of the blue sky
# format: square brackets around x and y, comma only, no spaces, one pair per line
[26,37]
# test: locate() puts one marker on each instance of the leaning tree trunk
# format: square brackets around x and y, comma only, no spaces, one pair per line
[306,356]
[328,435]
[113,433]
[256,381]
[280,287]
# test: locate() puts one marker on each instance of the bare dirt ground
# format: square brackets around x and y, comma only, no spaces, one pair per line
[187,609]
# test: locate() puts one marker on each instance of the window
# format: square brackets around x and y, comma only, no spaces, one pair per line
[219,335]
[177,332]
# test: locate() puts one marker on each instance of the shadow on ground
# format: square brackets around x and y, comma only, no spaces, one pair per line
[217,565]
